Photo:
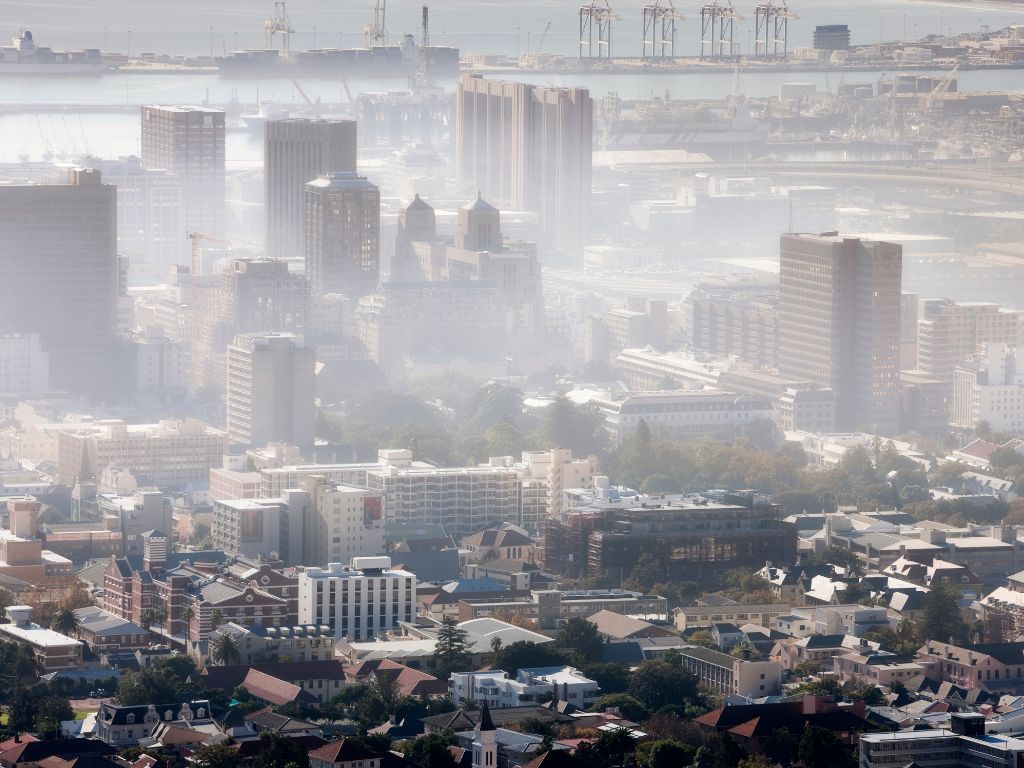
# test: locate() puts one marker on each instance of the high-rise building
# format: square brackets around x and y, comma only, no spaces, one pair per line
[990,389]
[255,296]
[529,148]
[950,333]
[342,234]
[840,324]
[189,142]
[341,521]
[295,152]
[270,389]
[59,275]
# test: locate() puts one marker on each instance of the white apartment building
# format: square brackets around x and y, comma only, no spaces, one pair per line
[529,686]
[729,676]
[170,454]
[270,389]
[544,476]
[358,601]
[342,522]
[462,499]
[991,390]
[808,410]
[250,527]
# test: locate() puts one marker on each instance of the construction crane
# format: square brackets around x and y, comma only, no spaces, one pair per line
[423,71]
[543,37]
[279,25]
[314,105]
[376,33]
[197,239]
[947,82]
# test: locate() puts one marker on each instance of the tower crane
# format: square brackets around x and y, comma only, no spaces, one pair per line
[281,25]
[376,33]
[197,239]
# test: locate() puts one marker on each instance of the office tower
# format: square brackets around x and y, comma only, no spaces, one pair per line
[342,234]
[840,324]
[527,147]
[255,296]
[341,521]
[417,223]
[726,318]
[990,389]
[59,275]
[150,229]
[295,152]
[270,389]
[189,142]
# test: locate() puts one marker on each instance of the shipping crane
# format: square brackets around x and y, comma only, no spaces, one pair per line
[376,33]
[596,17]
[314,105]
[197,239]
[543,37]
[279,25]
[660,19]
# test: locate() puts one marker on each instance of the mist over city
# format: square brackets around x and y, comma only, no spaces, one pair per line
[603,384]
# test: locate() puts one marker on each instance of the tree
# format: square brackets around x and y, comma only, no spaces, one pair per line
[664,753]
[523,654]
[147,618]
[65,621]
[628,707]
[216,618]
[224,650]
[452,651]
[941,618]
[647,571]
[615,744]
[431,751]
[611,677]
[278,751]
[215,756]
[581,637]
[656,685]
[756,761]
[819,748]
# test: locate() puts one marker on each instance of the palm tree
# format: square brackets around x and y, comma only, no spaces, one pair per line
[147,618]
[224,650]
[216,617]
[65,621]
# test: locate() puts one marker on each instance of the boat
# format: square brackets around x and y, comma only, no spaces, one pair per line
[256,121]
[376,61]
[24,57]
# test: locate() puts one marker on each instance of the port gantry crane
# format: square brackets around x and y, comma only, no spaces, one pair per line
[716,28]
[279,25]
[596,16]
[660,19]
[376,32]
[771,25]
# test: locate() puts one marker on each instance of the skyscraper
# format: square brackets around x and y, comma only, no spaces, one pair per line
[840,324]
[295,152]
[270,389]
[527,147]
[342,234]
[189,142]
[59,275]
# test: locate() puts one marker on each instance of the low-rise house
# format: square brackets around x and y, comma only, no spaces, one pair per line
[264,645]
[104,632]
[123,726]
[877,668]
[497,689]
[1004,607]
[467,719]
[997,666]
[815,652]
[322,679]
[53,651]
[408,681]
[30,753]
[730,676]
[754,726]
[726,635]
[344,754]
[275,691]
[505,542]
[270,722]
[700,616]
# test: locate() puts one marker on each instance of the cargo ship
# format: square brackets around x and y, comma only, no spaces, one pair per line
[377,61]
[24,57]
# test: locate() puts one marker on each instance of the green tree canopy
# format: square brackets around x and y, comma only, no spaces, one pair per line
[580,637]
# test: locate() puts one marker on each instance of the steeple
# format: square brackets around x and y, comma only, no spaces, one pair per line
[485,741]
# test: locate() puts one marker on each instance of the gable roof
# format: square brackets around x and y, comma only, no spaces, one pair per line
[621,627]
[274,690]
[342,751]
[230,677]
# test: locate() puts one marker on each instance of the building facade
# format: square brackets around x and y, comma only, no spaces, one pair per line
[295,152]
[840,324]
[342,249]
[358,602]
[270,389]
